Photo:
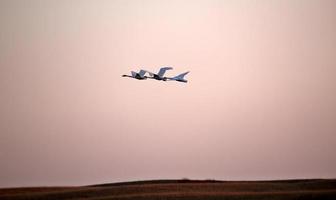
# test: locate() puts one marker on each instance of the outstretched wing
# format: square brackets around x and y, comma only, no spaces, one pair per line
[181,76]
[133,74]
[163,71]
[142,73]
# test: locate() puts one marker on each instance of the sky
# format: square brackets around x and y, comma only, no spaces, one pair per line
[260,101]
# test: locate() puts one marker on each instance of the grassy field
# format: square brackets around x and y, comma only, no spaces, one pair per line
[183,189]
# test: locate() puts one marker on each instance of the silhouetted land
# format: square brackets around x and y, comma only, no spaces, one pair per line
[183,189]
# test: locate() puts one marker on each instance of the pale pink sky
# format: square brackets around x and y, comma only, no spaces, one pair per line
[260,102]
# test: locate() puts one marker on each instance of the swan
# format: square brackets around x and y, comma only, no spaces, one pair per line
[137,75]
[159,76]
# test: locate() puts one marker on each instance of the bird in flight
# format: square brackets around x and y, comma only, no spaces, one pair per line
[159,76]
[141,75]
[137,75]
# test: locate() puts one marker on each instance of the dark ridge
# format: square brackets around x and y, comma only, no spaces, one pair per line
[174,181]
[160,181]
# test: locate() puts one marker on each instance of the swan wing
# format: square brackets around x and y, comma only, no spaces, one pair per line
[133,74]
[142,73]
[181,76]
[163,71]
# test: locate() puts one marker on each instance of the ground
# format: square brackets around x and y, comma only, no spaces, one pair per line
[182,189]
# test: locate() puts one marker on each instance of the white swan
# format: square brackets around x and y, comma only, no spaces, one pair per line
[137,75]
[160,76]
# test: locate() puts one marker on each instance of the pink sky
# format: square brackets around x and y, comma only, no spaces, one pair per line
[260,102]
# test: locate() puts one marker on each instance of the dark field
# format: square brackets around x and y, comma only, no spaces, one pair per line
[183,189]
